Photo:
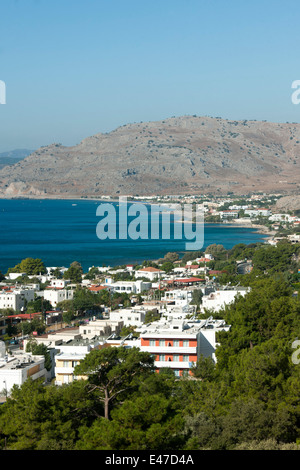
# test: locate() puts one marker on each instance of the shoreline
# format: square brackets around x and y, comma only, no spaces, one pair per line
[269,234]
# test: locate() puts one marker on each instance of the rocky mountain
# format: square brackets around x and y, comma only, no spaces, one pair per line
[287,203]
[179,155]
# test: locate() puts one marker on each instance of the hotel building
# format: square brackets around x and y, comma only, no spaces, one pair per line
[179,344]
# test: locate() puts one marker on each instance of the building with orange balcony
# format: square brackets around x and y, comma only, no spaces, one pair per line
[178,344]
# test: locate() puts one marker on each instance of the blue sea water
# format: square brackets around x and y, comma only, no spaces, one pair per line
[62,231]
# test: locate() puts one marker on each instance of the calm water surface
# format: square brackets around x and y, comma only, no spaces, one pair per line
[62,231]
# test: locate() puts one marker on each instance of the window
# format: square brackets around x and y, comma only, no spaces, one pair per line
[185,358]
[176,357]
[176,372]
[65,363]
[161,342]
[176,343]
[186,343]
[162,357]
[152,342]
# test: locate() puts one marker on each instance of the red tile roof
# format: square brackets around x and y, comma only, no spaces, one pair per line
[97,288]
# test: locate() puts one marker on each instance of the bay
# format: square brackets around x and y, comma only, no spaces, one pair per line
[62,231]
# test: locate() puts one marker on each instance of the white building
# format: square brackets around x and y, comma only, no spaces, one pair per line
[59,283]
[229,214]
[14,276]
[16,369]
[57,295]
[177,312]
[100,328]
[179,344]
[216,300]
[134,316]
[101,269]
[128,287]
[258,212]
[179,297]
[16,298]
[283,218]
[294,238]
[238,208]
[151,273]
[65,363]
[70,355]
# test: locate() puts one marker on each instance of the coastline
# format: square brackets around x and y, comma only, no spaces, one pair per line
[260,228]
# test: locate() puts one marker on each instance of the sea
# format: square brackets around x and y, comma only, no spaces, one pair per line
[60,231]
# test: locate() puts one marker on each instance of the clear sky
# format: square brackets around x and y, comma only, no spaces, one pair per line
[73,68]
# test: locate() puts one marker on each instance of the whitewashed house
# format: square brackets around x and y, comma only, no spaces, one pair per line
[151,273]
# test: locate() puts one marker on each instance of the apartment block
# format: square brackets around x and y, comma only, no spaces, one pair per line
[57,295]
[179,344]
[15,298]
[16,369]
[134,316]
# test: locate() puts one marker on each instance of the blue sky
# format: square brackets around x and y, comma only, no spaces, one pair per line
[73,68]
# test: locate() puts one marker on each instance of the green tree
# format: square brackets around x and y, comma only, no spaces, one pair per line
[57,273]
[73,274]
[191,255]
[66,305]
[38,305]
[204,369]
[92,273]
[215,249]
[27,327]
[147,422]
[113,372]
[83,300]
[39,350]
[36,417]
[29,266]
[152,315]
[167,266]
[68,316]
[197,297]
[274,258]
[253,420]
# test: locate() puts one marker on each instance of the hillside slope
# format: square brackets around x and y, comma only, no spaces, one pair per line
[178,155]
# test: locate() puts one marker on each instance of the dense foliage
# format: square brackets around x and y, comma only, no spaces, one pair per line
[29,266]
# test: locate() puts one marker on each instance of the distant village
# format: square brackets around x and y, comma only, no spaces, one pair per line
[255,211]
[170,312]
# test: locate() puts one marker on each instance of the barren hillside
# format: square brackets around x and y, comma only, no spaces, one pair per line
[178,155]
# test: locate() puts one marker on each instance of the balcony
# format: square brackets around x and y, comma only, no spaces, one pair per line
[169,349]
[64,370]
[173,364]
